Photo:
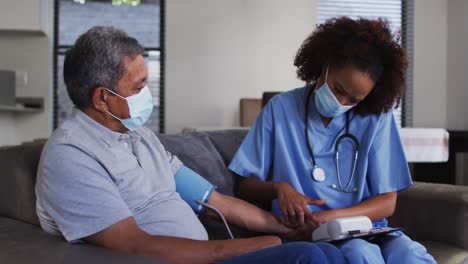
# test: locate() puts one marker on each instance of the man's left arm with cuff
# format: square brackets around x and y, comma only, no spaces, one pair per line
[246,215]
[191,187]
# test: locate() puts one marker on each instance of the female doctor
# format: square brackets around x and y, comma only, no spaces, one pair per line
[331,149]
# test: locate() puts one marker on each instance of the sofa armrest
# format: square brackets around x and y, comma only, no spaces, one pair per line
[434,212]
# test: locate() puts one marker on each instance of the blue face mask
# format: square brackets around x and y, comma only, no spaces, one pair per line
[326,102]
[140,106]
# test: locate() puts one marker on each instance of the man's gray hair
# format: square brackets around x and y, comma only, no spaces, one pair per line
[96,60]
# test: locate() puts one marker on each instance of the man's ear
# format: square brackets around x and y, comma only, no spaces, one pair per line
[99,99]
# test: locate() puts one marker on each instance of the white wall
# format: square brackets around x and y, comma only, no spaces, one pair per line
[430,63]
[441,63]
[457,77]
[31,52]
[218,51]
[457,65]
[7,129]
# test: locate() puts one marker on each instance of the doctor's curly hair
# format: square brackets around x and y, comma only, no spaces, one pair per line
[365,44]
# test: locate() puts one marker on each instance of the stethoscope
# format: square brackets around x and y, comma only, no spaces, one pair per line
[318,174]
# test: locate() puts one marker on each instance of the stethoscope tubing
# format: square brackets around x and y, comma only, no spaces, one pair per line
[337,144]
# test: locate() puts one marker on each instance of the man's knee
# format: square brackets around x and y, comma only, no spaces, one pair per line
[361,251]
[294,252]
[305,252]
[332,253]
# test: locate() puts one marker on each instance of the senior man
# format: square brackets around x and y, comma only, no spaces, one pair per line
[105,179]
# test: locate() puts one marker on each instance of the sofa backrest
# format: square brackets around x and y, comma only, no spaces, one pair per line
[18,167]
[207,153]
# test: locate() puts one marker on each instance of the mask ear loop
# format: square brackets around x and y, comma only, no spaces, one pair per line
[109,90]
[115,93]
[318,80]
[326,74]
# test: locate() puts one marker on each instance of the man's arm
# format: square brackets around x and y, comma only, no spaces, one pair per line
[192,188]
[125,236]
[243,214]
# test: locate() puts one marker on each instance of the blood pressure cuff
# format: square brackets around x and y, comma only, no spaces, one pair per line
[191,186]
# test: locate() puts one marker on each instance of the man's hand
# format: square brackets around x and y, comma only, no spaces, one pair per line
[294,205]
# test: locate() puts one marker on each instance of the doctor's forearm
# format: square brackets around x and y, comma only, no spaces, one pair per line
[256,191]
[378,207]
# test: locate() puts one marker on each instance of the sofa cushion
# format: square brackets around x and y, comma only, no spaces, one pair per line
[445,253]
[18,167]
[227,142]
[430,211]
[197,151]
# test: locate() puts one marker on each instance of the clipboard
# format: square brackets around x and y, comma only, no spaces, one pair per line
[372,233]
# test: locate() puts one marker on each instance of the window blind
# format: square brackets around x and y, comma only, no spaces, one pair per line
[144,21]
[408,43]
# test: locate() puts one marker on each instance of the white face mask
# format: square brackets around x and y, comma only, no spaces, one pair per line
[140,106]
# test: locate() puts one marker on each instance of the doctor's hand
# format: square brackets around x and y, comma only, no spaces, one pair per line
[294,205]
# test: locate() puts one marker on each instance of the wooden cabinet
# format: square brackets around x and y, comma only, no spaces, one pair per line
[25,15]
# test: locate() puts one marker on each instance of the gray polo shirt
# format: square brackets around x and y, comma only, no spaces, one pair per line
[90,178]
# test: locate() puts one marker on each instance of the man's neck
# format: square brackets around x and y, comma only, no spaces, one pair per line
[105,120]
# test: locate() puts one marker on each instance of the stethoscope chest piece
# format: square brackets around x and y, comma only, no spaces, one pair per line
[318,174]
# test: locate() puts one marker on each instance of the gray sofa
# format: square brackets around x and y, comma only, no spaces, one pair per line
[434,214]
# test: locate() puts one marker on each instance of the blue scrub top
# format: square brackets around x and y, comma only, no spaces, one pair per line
[275,150]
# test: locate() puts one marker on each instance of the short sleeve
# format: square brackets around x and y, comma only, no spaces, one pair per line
[255,154]
[173,160]
[78,193]
[387,166]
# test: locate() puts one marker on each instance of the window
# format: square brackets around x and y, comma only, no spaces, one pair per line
[141,19]
[399,14]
